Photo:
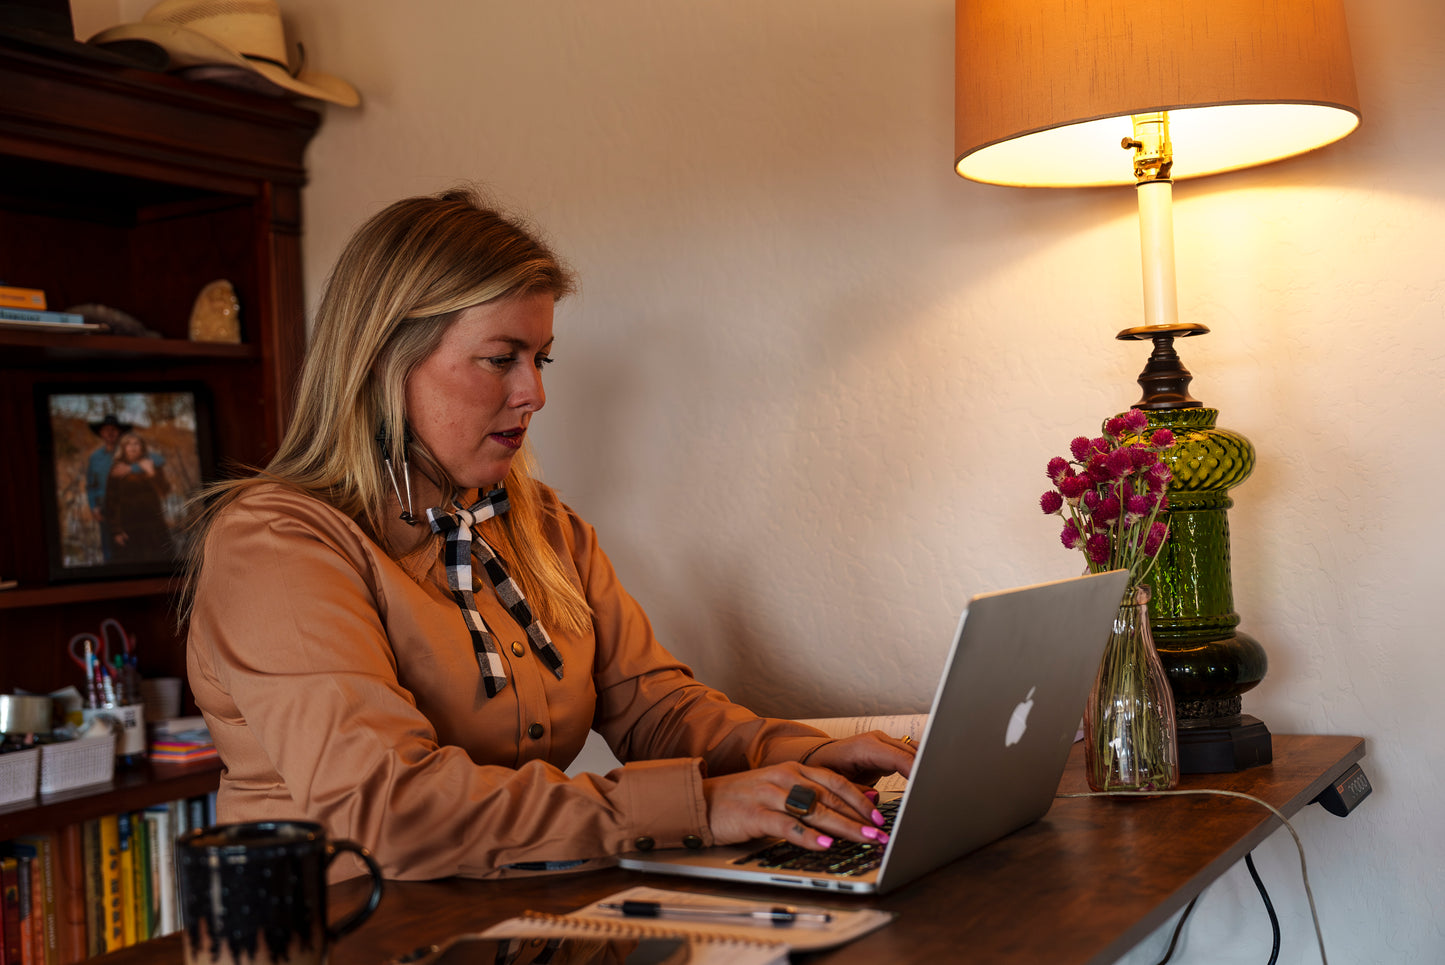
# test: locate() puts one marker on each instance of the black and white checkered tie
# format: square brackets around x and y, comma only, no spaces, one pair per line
[461,541]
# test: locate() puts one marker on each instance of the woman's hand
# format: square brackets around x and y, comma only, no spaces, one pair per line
[865,758]
[753,804]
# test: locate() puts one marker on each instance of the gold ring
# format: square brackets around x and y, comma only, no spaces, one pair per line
[800,801]
[907,739]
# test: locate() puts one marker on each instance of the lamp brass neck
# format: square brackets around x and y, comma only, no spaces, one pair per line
[1153,151]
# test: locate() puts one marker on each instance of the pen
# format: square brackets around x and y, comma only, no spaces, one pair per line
[778,915]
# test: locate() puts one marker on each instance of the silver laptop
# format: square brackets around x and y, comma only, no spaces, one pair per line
[1005,714]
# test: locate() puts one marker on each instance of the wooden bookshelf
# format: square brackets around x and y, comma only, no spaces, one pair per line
[134,190]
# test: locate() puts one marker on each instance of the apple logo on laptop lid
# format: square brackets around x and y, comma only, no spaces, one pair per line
[1018,721]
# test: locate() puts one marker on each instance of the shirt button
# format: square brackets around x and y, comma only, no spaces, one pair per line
[536,731]
[644,843]
[517,649]
[691,841]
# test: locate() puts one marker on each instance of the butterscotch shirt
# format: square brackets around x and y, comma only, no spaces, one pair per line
[340,686]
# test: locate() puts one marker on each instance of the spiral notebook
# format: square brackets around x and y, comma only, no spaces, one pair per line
[735,944]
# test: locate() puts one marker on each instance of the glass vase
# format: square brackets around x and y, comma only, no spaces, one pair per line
[1130,740]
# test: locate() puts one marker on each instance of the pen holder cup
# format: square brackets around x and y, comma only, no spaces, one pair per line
[130,727]
[162,698]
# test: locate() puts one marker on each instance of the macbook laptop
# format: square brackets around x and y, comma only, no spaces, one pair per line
[1004,716]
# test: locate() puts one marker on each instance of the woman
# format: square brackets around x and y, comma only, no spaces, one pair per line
[133,510]
[386,641]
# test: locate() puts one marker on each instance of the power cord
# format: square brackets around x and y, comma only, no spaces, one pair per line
[1299,847]
[1268,906]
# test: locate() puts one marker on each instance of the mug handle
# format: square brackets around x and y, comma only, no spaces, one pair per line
[353,921]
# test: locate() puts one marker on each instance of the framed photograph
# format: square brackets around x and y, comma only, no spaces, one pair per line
[120,461]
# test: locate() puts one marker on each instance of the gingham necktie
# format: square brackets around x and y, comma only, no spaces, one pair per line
[462,540]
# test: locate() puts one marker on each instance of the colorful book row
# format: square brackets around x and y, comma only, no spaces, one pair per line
[94,887]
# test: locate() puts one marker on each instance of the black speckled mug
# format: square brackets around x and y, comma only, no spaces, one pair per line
[255,894]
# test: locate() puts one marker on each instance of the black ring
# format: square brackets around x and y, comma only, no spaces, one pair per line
[800,801]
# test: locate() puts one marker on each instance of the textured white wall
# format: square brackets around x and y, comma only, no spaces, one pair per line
[812,378]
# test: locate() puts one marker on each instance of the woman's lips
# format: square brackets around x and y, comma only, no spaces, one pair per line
[512,438]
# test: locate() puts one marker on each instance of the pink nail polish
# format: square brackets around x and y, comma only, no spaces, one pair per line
[882,837]
[878,818]
[825,841]
[870,833]
[871,795]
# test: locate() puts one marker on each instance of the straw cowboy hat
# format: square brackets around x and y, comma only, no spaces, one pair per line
[244,37]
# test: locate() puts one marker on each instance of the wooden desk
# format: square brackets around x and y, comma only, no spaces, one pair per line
[1083,885]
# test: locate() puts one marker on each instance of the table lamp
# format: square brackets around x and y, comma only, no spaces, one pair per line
[1083,93]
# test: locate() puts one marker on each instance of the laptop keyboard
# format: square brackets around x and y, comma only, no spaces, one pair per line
[847,858]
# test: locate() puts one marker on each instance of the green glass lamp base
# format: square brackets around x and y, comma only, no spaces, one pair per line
[1224,745]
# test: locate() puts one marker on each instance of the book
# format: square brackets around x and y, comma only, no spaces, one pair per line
[93,861]
[601,922]
[126,842]
[13,297]
[40,848]
[159,820]
[70,934]
[33,315]
[11,945]
[112,923]
[36,850]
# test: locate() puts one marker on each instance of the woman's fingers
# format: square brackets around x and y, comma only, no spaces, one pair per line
[810,806]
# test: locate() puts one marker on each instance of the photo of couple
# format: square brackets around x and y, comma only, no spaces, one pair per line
[124,464]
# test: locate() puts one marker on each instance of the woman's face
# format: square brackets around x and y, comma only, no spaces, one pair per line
[132,450]
[471,400]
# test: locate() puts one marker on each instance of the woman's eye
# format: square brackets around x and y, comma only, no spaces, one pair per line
[544,360]
[501,361]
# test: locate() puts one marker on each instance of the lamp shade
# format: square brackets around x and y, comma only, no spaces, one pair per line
[1044,89]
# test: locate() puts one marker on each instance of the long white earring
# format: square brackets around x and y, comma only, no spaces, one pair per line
[383,440]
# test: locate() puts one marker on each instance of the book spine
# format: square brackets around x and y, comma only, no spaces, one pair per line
[143,876]
[168,918]
[12,297]
[31,315]
[10,909]
[26,887]
[125,835]
[94,859]
[113,909]
[41,848]
[70,936]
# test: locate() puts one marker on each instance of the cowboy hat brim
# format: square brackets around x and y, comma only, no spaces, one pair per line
[188,48]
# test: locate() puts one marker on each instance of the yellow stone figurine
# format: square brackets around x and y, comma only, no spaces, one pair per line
[216,316]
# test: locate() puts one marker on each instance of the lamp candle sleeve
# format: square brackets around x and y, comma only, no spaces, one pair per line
[1156,244]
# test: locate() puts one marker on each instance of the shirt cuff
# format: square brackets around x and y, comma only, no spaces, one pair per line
[665,806]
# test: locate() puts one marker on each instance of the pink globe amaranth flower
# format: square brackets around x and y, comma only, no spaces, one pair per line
[1143,456]
[1136,420]
[1072,487]
[1157,534]
[1051,502]
[1161,439]
[1140,505]
[1096,548]
[1107,511]
[1070,536]
[1056,468]
[1079,448]
[1119,463]
[1116,427]
[1092,499]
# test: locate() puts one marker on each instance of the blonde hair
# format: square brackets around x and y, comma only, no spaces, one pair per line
[399,283]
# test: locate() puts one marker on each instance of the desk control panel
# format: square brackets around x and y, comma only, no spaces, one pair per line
[1346,793]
